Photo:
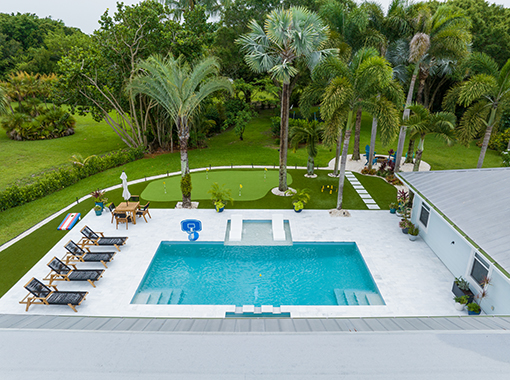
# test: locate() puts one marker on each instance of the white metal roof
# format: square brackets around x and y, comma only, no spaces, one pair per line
[477,201]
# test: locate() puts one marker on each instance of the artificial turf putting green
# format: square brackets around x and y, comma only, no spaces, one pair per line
[255,185]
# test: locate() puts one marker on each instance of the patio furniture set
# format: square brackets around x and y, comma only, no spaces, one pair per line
[65,270]
[128,211]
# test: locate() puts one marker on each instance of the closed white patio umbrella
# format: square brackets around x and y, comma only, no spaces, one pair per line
[125,192]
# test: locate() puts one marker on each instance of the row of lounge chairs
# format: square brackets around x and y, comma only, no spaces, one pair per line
[65,270]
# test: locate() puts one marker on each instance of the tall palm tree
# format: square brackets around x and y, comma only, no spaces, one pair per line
[287,35]
[486,96]
[444,35]
[180,89]
[368,73]
[422,123]
[309,132]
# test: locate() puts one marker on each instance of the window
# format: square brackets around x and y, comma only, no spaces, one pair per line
[424,214]
[480,269]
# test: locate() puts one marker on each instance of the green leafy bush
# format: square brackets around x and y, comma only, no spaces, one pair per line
[58,179]
[40,125]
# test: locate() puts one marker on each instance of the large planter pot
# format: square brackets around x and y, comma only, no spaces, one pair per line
[405,230]
[473,312]
[413,237]
[459,292]
[100,204]
[393,210]
[298,210]
[459,306]
[220,209]
[98,212]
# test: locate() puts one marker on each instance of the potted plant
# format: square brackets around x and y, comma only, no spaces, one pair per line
[393,207]
[473,308]
[300,197]
[220,196]
[404,225]
[413,231]
[461,287]
[460,302]
[99,197]
[98,209]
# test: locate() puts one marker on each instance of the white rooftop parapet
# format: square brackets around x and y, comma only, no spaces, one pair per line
[236,227]
[278,231]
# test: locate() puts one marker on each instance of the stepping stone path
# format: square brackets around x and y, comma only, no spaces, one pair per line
[361,191]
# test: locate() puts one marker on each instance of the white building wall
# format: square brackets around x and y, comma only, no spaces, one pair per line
[457,255]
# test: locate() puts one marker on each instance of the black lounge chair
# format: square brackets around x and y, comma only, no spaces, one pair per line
[62,272]
[43,295]
[93,238]
[76,254]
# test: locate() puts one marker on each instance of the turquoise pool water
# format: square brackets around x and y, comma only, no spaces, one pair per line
[203,273]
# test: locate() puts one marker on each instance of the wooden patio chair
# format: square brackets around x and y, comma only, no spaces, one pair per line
[78,254]
[143,211]
[122,218]
[98,238]
[62,272]
[43,295]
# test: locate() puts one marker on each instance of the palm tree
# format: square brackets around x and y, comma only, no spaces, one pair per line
[4,101]
[422,123]
[180,89]
[367,73]
[309,132]
[444,35]
[287,35]
[486,95]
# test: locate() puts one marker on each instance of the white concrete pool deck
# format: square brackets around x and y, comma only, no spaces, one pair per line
[410,278]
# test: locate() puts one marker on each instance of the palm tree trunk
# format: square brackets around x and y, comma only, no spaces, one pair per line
[284,136]
[485,144]
[419,153]
[403,128]
[355,153]
[338,152]
[341,178]
[410,152]
[183,146]
[309,165]
[372,143]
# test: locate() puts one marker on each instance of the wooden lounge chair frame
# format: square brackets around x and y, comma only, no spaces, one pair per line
[61,272]
[74,255]
[32,299]
[94,238]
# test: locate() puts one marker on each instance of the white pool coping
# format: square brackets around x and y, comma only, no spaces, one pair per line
[410,277]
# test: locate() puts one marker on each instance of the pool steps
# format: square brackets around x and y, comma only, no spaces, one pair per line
[166,297]
[356,297]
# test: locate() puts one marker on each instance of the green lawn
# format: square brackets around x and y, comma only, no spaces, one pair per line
[20,160]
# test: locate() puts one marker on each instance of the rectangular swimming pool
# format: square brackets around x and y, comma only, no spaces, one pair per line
[211,273]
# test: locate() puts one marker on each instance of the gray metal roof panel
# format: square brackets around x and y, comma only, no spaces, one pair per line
[477,201]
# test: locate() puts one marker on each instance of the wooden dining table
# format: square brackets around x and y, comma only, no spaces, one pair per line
[129,208]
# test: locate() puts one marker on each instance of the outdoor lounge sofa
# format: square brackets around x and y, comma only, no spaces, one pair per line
[97,238]
[76,254]
[62,272]
[43,295]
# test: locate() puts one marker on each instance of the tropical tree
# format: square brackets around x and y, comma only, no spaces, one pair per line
[422,123]
[444,35]
[486,96]
[367,73]
[310,133]
[179,88]
[287,35]
[4,101]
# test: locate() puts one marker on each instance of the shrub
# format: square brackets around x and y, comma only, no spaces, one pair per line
[58,179]
[186,186]
[506,157]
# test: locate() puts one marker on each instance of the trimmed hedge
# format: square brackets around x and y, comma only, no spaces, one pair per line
[58,179]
